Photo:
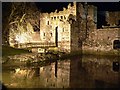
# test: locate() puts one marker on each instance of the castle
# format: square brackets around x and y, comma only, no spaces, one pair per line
[70,27]
[76,28]
[57,22]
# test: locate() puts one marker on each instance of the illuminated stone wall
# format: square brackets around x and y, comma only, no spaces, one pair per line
[57,20]
[94,39]
[101,39]
[77,29]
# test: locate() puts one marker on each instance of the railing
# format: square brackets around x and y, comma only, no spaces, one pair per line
[34,45]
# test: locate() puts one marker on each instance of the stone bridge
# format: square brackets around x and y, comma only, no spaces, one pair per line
[36,45]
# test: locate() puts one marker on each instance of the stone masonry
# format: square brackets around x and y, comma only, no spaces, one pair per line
[58,20]
[76,28]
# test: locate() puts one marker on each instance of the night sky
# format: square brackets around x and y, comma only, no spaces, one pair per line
[101,6]
[107,6]
[52,6]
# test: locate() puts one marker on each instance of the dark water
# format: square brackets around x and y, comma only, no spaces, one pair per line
[78,72]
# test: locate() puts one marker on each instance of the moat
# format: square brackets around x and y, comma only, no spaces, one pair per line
[73,45]
[78,72]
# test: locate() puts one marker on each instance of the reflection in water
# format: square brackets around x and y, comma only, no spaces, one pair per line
[56,63]
[27,72]
[116,66]
[78,72]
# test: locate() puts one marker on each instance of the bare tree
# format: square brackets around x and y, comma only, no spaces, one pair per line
[15,21]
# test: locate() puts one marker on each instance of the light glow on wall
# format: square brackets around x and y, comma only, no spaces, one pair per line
[23,38]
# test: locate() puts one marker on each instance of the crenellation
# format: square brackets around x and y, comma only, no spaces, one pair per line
[67,24]
[57,19]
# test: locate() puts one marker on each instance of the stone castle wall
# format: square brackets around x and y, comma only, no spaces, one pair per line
[87,36]
[101,39]
[84,23]
[77,29]
[58,20]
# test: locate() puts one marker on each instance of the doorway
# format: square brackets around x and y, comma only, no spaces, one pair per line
[56,36]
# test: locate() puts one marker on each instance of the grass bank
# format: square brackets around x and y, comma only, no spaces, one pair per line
[7,50]
[112,53]
[102,53]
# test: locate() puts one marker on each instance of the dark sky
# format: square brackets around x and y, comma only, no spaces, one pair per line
[101,7]
[52,6]
[110,6]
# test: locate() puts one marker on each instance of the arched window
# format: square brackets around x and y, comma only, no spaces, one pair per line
[48,23]
[64,17]
[63,30]
[61,17]
[51,34]
[52,18]
[116,44]
[55,18]
[43,34]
